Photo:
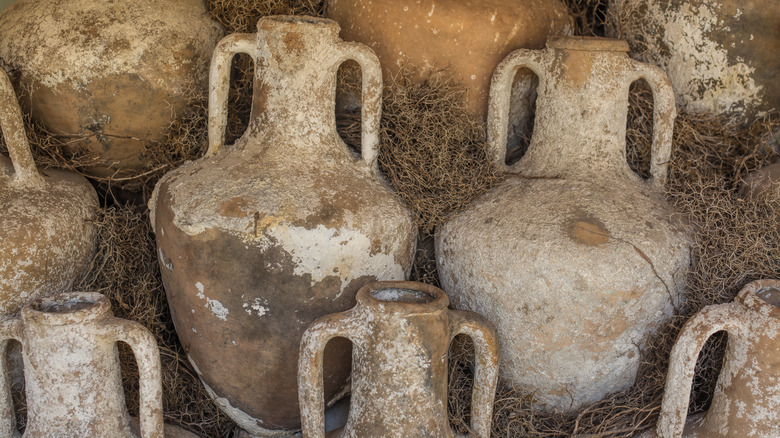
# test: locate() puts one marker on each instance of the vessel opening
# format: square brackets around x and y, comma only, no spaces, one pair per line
[770,295]
[69,306]
[401,295]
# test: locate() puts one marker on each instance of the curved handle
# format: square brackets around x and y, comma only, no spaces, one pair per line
[682,363]
[147,356]
[219,83]
[9,329]
[311,395]
[371,109]
[664,113]
[486,373]
[501,93]
[12,125]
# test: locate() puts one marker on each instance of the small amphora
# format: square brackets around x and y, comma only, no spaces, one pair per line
[401,332]
[745,403]
[72,374]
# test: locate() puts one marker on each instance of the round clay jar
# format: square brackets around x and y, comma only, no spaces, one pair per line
[112,74]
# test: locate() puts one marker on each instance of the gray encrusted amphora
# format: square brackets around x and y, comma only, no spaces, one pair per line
[401,333]
[258,239]
[746,403]
[573,257]
[72,371]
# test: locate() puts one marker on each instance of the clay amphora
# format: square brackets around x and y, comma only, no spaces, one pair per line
[745,403]
[114,72]
[72,374]
[573,257]
[401,332]
[258,239]
[47,235]
[468,36]
[721,56]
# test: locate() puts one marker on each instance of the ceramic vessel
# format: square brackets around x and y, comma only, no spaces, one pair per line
[72,374]
[258,239]
[573,257]
[112,74]
[470,37]
[401,332]
[720,56]
[47,236]
[748,389]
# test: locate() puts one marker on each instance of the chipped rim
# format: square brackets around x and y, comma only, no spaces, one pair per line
[587,43]
[40,310]
[438,302]
[748,296]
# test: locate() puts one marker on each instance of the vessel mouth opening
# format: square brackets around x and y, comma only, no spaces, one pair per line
[402,295]
[770,295]
[66,306]
[588,44]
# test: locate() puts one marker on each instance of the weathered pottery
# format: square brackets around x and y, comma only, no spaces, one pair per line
[401,332]
[72,374]
[47,236]
[721,56]
[258,239]
[747,395]
[470,37]
[761,181]
[114,74]
[573,257]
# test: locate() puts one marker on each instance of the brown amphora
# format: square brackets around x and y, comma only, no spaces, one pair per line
[401,332]
[47,233]
[573,257]
[747,395]
[72,371]
[258,239]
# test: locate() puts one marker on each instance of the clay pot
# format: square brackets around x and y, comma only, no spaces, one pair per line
[468,36]
[401,332]
[47,236]
[748,388]
[260,238]
[760,182]
[573,257]
[720,56]
[114,74]
[72,374]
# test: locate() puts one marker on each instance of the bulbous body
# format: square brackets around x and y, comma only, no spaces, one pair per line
[113,73]
[573,257]
[47,237]
[720,56]
[260,238]
[468,37]
[748,388]
[401,332]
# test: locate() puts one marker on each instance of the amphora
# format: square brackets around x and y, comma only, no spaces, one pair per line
[258,239]
[573,257]
[72,374]
[745,403]
[401,332]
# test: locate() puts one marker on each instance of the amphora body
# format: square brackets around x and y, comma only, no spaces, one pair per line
[401,332]
[72,374]
[573,257]
[745,403]
[258,239]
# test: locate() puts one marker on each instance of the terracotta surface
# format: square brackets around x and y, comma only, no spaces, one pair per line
[47,237]
[72,374]
[401,333]
[760,181]
[260,238]
[745,403]
[573,257]
[115,72]
[469,36]
[720,56]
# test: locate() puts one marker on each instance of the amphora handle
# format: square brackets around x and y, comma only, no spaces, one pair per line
[486,364]
[12,125]
[682,362]
[501,93]
[311,395]
[9,329]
